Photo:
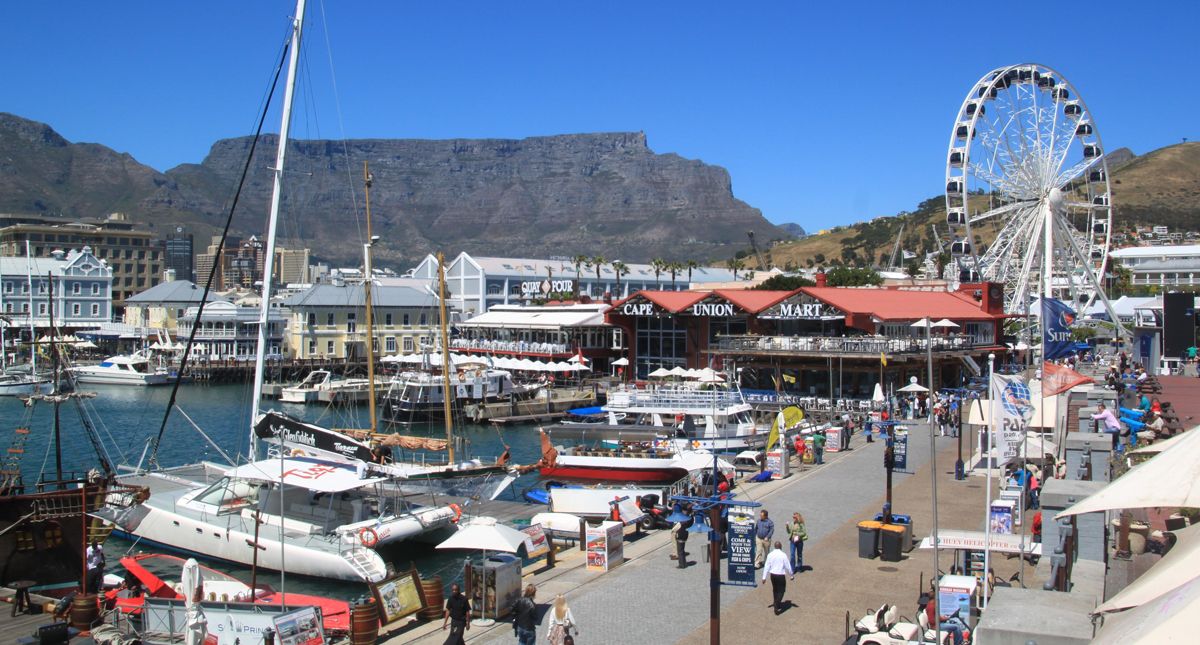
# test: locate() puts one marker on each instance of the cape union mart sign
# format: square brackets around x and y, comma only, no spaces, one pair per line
[702,309]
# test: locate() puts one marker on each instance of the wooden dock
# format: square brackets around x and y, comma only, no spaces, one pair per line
[527,418]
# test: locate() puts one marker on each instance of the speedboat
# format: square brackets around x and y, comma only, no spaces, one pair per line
[329,517]
[161,577]
[18,384]
[621,465]
[135,369]
[318,381]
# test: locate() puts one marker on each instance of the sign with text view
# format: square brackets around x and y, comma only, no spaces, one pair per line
[741,550]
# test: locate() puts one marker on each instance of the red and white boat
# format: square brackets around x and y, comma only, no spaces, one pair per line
[160,576]
[622,466]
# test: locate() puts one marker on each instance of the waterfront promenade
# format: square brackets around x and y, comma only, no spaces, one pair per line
[647,599]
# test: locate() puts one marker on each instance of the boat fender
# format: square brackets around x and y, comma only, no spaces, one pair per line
[457,513]
[368,537]
[695,445]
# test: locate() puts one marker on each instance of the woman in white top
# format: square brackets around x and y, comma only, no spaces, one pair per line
[561,621]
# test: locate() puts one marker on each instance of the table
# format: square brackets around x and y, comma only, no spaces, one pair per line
[21,601]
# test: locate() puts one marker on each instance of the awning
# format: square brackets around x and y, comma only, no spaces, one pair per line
[309,474]
[1170,618]
[1180,565]
[978,540]
[1159,446]
[552,320]
[1170,479]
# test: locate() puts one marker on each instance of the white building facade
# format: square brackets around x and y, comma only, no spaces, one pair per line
[1161,266]
[82,286]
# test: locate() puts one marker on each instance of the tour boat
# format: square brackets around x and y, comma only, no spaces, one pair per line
[603,464]
[696,416]
[135,369]
[318,381]
[417,395]
[161,577]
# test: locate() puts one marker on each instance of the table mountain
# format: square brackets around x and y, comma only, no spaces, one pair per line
[596,194]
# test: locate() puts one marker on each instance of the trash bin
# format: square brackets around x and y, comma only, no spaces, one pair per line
[868,539]
[906,544]
[891,538]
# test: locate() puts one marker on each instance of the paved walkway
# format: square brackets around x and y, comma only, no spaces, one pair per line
[648,600]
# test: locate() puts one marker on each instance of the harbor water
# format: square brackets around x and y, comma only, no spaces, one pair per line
[127,420]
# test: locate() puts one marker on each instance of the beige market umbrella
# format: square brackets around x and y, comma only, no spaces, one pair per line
[1170,618]
[1169,479]
[661,372]
[1159,446]
[1180,565]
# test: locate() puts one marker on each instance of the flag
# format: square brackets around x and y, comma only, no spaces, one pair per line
[788,378]
[1057,379]
[1011,411]
[883,359]
[1057,319]
[788,417]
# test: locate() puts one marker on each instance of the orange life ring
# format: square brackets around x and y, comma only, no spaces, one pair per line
[695,445]
[368,537]
[457,513]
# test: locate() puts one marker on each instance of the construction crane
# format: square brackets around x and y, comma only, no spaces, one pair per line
[762,259]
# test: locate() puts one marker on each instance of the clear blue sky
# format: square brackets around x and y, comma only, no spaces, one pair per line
[823,114]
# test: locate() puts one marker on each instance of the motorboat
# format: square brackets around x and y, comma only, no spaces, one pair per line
[310,389]
[160,576]
[417,395]
[331,517]
[22,384]
[687,415]
[135,369]
[621,464]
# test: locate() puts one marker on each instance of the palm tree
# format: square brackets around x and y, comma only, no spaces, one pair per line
[737,264]
[674,268]
[598,262]
[578,261]
[621,269]
[658,265]
[691,264]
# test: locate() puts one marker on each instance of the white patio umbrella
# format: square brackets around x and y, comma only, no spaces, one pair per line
[1180,565]
[678,371]
[878,395]
[621,362]
[86,344]
[580,368]
[1170,618]
[913,387]
[578,359]
[946,323]
[484,534]
[691,373]
[1169,479]
[196,624]
[661,372]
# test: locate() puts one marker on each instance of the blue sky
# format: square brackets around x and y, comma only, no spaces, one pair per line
[822,114]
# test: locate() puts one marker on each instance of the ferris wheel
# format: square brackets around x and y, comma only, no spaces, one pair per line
[1026,165]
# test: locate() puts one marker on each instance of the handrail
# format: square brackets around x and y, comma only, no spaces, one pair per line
[847,344]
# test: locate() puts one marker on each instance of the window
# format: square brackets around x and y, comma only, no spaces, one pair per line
[312,320]
[41,309]
[312,347]
[329,347]
[351,322]
[41,287]
[95,288]
[389,344]
[387,320]
[75,309]
[8,287]
[95,310]
[329,320]
[408,344]
[25,287]
[24,307]
[422,323]
[75,290]
[406,320]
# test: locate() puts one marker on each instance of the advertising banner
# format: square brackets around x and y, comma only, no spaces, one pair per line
[833,439]
[741,551]
[900,451]
[1011,412]
[300,627]
[536,544]
[1057,319]
[1001,517]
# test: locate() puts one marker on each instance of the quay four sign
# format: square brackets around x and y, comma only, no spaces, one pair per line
[532,288]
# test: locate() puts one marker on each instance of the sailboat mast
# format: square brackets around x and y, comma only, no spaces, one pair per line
[446,394]
[367,279]
[32,326]
[54,386]
[273,221]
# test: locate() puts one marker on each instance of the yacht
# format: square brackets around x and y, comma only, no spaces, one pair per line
[135,369]
[309,390]
[14,383]
[418,395]
[330,516]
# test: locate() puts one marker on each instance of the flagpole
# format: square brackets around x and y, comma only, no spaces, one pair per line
[987,514]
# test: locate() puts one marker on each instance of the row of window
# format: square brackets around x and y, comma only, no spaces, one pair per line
[352,320]
[389,345]
[76,309]
[76,288]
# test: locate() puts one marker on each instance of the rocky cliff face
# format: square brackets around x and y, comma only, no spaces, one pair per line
[595,194]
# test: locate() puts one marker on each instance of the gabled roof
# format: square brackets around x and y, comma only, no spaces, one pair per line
[182,291]
[902,304]
[672,301]
[753,300]
[328,295]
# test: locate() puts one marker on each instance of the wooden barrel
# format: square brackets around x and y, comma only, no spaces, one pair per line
[84,612]
[432,591]
[364,623]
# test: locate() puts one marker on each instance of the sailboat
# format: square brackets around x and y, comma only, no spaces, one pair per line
[45,529]
[12,381]
[323,518]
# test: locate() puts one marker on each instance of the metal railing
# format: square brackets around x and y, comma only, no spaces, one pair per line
[866,345]
[674,398]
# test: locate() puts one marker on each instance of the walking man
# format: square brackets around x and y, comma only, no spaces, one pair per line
[763,531]
[525,617]
[680,533]
[95,567]
[458,608]
[819,447]
[777,567]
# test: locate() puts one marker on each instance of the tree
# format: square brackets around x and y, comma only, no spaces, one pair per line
[620,269]
[578,261]
[599,261]
[841,276]
[673,268]
[691,264]
[737,264]
[1082,334]
[819,258]
[658,265]
[785,283]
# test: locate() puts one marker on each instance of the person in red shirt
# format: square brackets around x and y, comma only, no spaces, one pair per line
[1036,527]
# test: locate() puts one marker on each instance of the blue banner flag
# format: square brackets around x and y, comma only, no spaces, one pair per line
[1057,319]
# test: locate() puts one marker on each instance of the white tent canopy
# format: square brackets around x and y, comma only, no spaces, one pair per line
[661,372]
[621,362]
[485,534]
[1170,479]
[1178,566]
[1170,618]
[1159,446]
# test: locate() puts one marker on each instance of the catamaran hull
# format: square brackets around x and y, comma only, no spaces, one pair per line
[183,534]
